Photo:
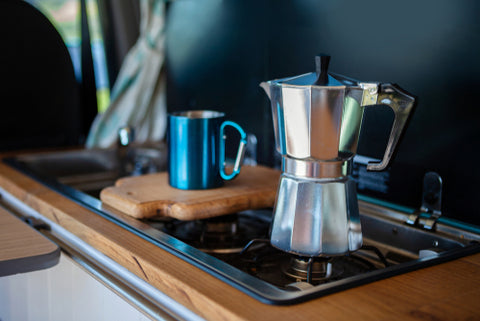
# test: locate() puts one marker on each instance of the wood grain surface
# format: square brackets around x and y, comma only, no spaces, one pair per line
[449,291]
[150,195]
[22,249]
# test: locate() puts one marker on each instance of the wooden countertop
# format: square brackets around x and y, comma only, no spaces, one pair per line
[23,249]
[449,291]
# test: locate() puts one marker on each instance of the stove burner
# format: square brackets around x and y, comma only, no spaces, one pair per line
[311,270]
[241,240]
[226,234]
[296,273]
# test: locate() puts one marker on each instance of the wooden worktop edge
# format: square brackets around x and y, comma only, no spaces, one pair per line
[161,269]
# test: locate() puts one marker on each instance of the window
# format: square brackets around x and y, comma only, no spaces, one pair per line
[66,17]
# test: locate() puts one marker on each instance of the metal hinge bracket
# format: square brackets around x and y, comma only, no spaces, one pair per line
[431,208]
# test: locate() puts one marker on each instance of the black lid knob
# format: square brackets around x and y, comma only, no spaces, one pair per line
[321,68]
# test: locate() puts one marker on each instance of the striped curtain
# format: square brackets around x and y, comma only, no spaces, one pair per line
[139,94]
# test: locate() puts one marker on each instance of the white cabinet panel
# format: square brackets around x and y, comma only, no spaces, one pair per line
[63,292]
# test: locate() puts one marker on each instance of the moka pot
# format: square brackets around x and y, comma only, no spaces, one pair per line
[317,119]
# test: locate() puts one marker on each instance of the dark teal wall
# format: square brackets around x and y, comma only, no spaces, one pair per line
[219,51]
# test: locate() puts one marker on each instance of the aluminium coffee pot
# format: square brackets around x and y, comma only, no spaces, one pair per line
[317,119]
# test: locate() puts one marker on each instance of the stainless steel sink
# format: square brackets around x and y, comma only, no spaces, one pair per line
[91,170]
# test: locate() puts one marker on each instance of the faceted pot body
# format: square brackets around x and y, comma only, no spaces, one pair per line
[315,122]
[316,217]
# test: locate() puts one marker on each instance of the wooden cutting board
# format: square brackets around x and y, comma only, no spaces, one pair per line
[150,195]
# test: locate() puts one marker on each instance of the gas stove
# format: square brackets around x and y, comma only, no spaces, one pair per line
[242,241]
[236,249]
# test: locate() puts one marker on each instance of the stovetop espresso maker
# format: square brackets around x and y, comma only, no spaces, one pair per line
[317,119]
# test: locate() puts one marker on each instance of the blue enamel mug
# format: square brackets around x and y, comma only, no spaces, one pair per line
[196,149]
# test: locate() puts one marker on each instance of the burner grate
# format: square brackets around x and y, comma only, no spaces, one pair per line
[262,260]
[241,240]
[226,234]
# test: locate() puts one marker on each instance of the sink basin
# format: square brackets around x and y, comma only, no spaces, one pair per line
[91,170]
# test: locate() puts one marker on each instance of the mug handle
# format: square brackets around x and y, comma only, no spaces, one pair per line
[240,152]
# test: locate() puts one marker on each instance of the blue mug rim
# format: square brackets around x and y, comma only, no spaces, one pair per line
[198,114]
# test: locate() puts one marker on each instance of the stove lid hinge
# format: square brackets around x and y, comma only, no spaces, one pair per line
[431,208]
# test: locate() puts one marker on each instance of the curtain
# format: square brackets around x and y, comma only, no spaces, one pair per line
[139,94]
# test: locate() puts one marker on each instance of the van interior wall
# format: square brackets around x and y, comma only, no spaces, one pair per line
[219,51]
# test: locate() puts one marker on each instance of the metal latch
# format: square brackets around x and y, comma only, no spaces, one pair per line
[431,208]
[36,223]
